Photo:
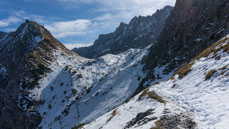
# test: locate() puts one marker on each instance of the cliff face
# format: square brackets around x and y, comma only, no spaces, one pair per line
[192,26]
[139,33]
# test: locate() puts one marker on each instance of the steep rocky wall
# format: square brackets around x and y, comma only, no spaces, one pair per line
[192,26]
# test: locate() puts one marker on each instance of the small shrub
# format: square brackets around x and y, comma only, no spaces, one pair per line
[88,90]
[209,74]
[112,115]
[51,88]
[218,57]
[157,83]
[79,126]
[63,101]
[57,118]
[97,93]
[80,76]
[223,68]
[65,112]
[158,77]
[174,85]
[49,106]
[74,91]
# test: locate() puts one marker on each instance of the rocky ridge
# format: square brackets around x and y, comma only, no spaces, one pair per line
[139,33]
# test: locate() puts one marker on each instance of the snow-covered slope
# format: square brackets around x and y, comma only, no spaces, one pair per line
[78,90]
[195,97]
[53,87]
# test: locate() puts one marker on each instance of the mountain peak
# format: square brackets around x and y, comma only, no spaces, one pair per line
[33,29]
[27,25]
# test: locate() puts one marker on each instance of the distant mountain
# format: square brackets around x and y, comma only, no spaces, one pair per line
[139,33]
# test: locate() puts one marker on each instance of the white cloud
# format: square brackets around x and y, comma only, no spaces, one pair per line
[69,28]
[3,23]
[126,8]
[76,45]
[8,21]
[112,12]
[18,17]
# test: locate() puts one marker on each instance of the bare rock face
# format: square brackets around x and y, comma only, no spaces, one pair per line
[139,33]
[24,55]
[192,27]
[179,121]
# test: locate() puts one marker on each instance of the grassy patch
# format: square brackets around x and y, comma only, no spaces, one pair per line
[152,95]
[213,49]
[183,71]
[209,74]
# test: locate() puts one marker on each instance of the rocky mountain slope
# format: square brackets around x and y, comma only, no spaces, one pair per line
[45,85]
[51,87]
[195,97]
[139,33]
[192,27]
[24,57]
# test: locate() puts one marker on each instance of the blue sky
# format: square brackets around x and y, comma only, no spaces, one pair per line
[75,22]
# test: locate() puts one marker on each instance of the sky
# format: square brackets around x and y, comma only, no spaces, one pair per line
[76,23]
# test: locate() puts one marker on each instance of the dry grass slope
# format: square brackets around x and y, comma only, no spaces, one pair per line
[214,48]
[183,71]
[152,95]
